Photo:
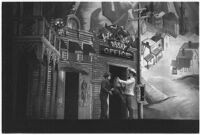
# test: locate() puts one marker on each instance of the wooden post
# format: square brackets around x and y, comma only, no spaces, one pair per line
[60,98]
[43,26]
[42,88]
[50,34]
[140,104]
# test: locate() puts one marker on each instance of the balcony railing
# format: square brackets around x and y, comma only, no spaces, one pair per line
[36,27]
[79,35]
[65,56]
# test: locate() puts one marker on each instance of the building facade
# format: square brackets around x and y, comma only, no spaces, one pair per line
[152,50]
[158,20]
[159,43]
[113,55]
[171,24]
[148,58]
[187,60]
[59,67]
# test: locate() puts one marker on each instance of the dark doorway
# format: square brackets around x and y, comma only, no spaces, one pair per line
[71,95]
[117,108]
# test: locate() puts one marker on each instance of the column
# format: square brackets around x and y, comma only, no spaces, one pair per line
[33,89]
[60,98]
[15,74]
[53,95]
[48,90]
[43,71]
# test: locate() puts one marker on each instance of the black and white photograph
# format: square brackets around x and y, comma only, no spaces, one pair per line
[100,67]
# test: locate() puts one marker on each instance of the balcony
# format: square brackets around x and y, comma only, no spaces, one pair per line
[77,35]
[75,57]
[33,29]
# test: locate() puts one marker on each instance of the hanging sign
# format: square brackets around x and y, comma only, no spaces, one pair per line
[118,42]
[116,52]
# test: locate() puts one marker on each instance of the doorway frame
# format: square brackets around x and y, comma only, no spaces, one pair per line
[126,66]
[65,72]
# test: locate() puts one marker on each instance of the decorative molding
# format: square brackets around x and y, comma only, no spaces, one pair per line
[72,16]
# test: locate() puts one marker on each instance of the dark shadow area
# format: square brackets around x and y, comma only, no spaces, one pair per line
[117,108]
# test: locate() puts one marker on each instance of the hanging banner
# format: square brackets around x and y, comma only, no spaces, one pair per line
[85,97]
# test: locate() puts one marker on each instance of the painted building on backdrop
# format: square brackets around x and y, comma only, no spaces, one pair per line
[187,60]
[152,50]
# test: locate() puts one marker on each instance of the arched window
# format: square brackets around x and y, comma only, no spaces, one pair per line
[73,24]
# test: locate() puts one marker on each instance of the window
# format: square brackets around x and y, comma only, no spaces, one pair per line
[87,49]
[74,46]
[91,57]
[79,56]
[185,69]
[181,70]
[174,71]
[64,54]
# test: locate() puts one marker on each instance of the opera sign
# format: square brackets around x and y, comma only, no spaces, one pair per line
[118,42]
